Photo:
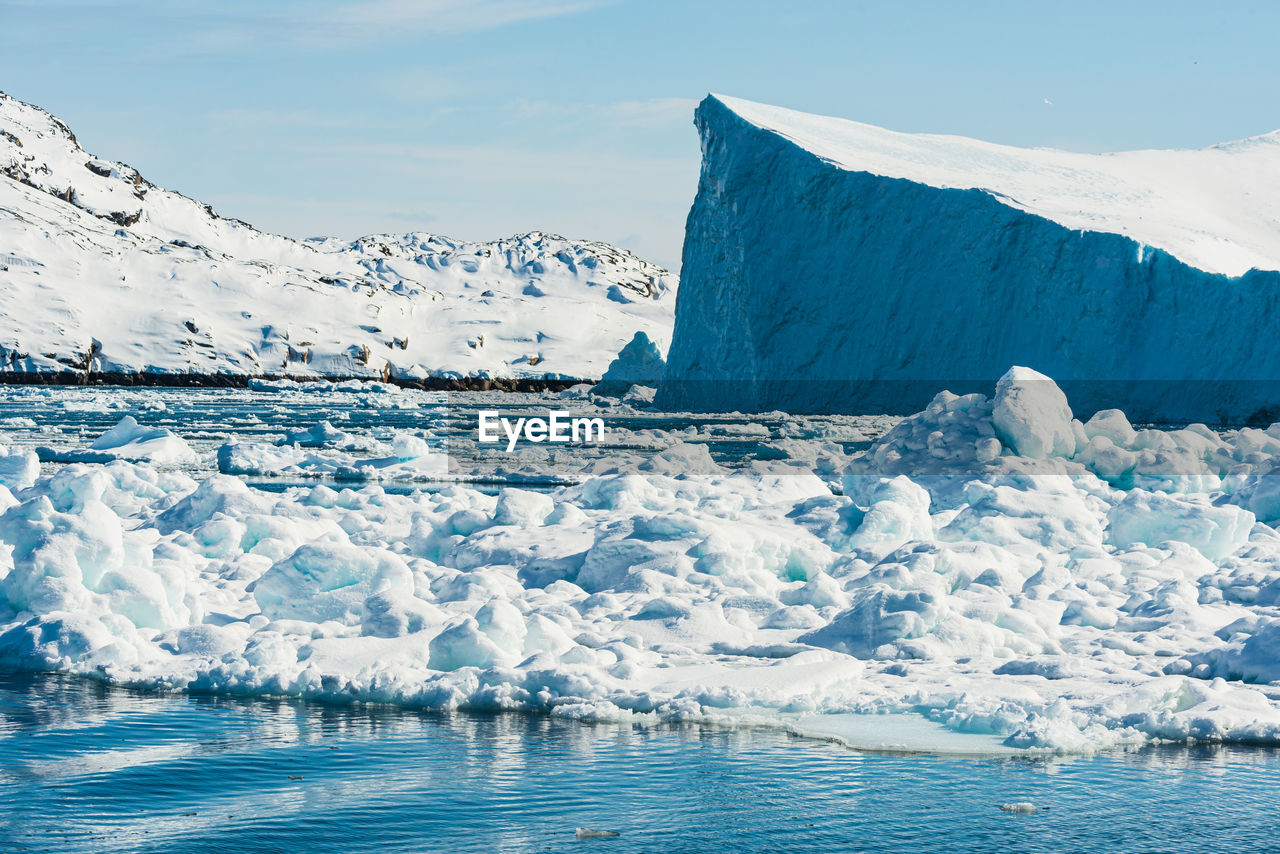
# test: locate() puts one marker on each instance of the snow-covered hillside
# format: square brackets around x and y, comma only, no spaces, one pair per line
[105,273]
[835,266]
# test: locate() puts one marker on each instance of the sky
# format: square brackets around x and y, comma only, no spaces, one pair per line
[480,119]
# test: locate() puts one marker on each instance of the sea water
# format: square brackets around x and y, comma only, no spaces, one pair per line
[86,768]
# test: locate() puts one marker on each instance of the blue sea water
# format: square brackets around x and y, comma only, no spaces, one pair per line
[87,768]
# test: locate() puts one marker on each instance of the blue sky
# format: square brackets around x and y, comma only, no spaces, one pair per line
[485,118]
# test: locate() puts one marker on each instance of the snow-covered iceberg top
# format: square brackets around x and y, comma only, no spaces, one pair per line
[1217,208]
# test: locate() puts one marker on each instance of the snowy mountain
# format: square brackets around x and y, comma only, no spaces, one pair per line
[835,266]
[103,273]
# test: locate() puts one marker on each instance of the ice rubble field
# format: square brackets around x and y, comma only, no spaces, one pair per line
[992,563]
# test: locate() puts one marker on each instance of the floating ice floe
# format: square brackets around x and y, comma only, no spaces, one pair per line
[323,386]
[410,457]
[325,435]
[128,440]
[18,468]
[1118,588]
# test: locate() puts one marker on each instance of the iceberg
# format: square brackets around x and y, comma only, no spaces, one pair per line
[638,363]
[832,266]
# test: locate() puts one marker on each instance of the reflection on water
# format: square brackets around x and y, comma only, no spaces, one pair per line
[89,768]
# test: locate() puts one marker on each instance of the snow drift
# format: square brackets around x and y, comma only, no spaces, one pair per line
[102,272]
[836,266]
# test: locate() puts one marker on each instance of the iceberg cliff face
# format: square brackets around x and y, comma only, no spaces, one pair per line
[831,266]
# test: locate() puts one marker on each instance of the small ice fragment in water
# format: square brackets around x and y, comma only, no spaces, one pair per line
[1019,807]
[588,833]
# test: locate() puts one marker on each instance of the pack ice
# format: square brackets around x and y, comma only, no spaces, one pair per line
[993,563]
[102,272]
[832,266]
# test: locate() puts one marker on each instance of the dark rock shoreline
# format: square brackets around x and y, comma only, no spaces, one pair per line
[113,378]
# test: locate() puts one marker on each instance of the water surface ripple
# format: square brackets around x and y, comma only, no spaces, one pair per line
[86,768]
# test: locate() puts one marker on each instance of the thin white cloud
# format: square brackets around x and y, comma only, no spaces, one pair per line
[368,21]
[353,20]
